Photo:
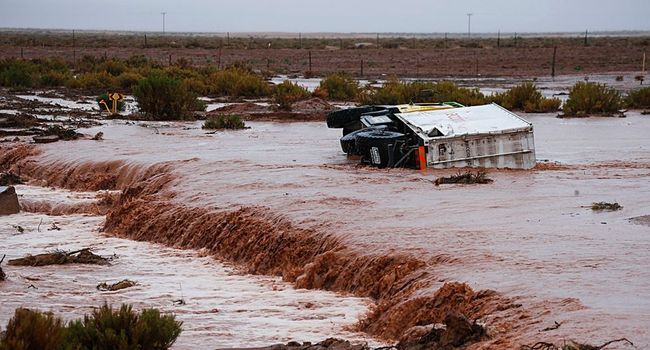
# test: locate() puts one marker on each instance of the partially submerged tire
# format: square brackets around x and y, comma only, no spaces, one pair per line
[376,146]
[343,117]
[348,141]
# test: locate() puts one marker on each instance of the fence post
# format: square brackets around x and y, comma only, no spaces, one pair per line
[310,61]
[22,56]
[553,63]
[499,39]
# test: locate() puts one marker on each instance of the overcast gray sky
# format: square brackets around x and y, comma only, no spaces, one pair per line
[329,15]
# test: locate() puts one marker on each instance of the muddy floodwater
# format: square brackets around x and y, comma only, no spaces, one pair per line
[530,235]
[222,308]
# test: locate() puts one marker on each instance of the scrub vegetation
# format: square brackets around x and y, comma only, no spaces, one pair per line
[169,92]
[287,93]
[592,98]
[526,97]
[105,328]
[339,87]
[162,97]
[224,121]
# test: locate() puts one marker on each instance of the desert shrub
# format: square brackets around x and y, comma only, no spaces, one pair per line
[639,98]
[107,329]
[526,97]
[238,82]
[340,87]
[51,64]
[55,78]
[128,80]
[397,92]
[286,93]
[113,67]
[448,91]
[140,61]
[93,81]
[586,98]
[224,121]
[16,73]
[161,97]
[32,330]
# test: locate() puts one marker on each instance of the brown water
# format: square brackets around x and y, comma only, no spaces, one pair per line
[223,307]
[529,235]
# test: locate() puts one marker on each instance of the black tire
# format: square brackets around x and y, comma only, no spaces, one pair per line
[343,117]
[348,142]
[375,146]
[354,126]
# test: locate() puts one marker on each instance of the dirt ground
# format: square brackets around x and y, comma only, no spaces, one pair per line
[458,60]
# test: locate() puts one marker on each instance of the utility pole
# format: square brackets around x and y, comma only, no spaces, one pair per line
[163,18]
[469,25]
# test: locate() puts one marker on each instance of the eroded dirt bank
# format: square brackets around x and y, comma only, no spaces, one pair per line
[393,235]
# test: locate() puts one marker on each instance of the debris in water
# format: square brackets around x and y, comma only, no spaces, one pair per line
[480,177]
[605,206]
[123,284]
[572,345]
[457,331]
[98,136]
[46,139]
[54,227]
[9,179]
[553,327]
[18,228]
[327,344]
[2,273]
[83,256]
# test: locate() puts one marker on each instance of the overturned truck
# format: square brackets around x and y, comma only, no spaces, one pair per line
[442,135]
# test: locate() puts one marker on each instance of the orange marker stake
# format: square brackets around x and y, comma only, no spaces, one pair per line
[422,159]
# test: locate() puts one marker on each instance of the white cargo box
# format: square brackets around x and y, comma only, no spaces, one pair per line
[481,136]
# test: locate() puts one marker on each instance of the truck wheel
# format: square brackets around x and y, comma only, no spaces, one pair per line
[343,117]
[348,141]
[375,145]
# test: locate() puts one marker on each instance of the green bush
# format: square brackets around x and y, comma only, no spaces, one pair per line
[32,330]
[639,98]
[107,329]
[397,92]
[238,82]
[586,98]
[286,93]
[340,87]
[93,81]
[104,329]
[128,80]
[161,97]
[224,122]
[113,67]
[55,78]
[526,97]
[17,73]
